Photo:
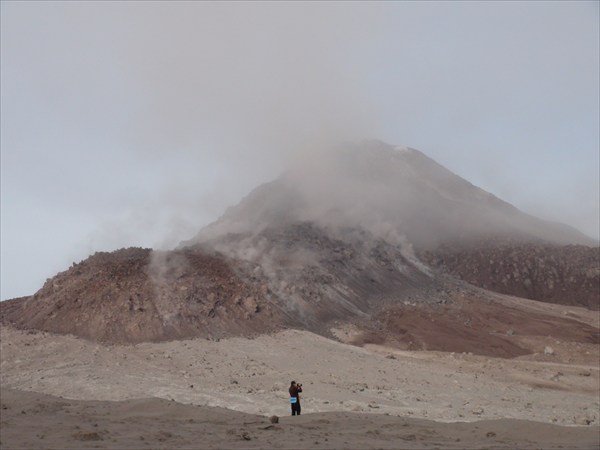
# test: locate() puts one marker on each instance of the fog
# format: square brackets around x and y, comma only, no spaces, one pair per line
[137,123]
[381,191]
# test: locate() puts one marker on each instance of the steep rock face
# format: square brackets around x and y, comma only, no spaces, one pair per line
[319,275]
[568,275]
[135,295]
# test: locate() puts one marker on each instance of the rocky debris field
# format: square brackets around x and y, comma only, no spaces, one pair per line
[299,276]
[318,274]
[568,275]
[137,295]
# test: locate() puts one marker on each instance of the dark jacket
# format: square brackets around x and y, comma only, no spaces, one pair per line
[294,391]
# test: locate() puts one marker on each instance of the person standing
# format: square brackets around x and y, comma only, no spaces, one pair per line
[295,390]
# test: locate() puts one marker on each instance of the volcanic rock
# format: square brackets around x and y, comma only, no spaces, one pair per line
[568,275]
[136,295]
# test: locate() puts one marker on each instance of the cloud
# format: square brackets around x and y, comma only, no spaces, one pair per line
[167,113]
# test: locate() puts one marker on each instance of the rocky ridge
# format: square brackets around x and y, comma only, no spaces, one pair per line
[569,275]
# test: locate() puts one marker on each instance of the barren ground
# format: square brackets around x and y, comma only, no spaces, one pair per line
[252,375]
[33,420]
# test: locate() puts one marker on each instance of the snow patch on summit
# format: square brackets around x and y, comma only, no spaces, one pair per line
[402,149]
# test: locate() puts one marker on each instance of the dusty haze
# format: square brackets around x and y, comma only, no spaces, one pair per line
[138,123]
[395,193]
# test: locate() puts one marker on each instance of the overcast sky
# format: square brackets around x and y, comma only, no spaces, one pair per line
[137,123]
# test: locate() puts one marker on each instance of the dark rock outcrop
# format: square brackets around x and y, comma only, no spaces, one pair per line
[568,275]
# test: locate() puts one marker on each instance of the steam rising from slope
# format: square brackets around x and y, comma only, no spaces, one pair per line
[394,193]
[162,114]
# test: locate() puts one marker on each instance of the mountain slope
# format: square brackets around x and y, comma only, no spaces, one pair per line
[569,275]
[392,192]
[137,295]
[295,276]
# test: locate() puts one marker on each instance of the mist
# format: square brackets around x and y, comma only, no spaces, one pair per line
[137,123]
[382,192]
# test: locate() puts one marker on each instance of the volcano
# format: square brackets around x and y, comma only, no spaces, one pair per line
[377,237]
[393,192]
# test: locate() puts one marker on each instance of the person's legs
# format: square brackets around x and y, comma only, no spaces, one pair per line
[296,409]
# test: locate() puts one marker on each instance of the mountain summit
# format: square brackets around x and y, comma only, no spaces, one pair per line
[395,193]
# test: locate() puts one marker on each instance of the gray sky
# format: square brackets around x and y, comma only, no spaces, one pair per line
[137,123]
